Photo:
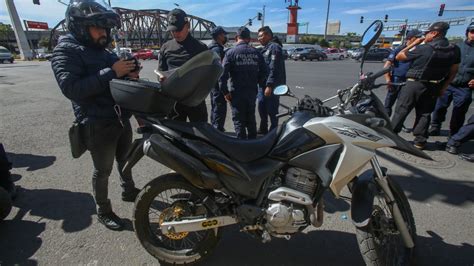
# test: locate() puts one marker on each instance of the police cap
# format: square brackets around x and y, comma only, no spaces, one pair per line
[440,26]
[176,20]
[243,32]
[218,30]
[414,33]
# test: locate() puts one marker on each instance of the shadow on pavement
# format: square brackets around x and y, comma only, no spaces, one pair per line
[423,186]
[32,162]
[325,247]
[74,209]
[19,241]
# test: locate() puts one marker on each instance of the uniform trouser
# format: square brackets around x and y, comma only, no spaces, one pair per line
[243,115]
[461,98]
[464,134]
[196,113]
[107,140]
[392,94]
[219,109]
[422,97]
[267,107]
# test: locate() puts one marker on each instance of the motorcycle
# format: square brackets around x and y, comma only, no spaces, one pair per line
[273,187]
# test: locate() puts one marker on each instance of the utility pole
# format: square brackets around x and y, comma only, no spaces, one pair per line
[22,41]
[327,18]
[263,17]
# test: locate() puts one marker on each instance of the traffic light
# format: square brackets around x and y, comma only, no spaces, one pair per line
[361,19]
[250,22]
[386,18]
[441,10]
[36,2]
[259,16]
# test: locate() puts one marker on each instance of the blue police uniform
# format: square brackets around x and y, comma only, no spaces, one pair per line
[464,134]
[400,69]
[246,68]
[268,106]
[218,103]
[458,92]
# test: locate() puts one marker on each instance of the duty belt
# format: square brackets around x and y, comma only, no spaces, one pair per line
[429,81]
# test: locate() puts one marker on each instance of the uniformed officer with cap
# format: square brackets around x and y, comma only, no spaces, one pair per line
[247,69]
[268,102]
[174,53]
[399,71]
[433,66]
[459,91]
[218,103]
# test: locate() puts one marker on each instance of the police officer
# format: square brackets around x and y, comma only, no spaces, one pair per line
[433,66]
[268,102]
[463,135]
[246,68]
[218,103]
[83,68]
[399,71]
[459,91]
[174,53]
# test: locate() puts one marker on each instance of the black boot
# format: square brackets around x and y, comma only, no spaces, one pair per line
[130,194]
[434,131]
[111,221]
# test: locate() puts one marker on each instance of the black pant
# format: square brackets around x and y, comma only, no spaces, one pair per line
[422,97]
[107,140]
[461,98]
[195,114]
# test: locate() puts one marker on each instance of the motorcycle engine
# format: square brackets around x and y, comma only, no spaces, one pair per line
[286,217]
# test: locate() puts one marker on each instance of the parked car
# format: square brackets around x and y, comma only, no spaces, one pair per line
[377,54]
[5,55]
[309,54]
[334,54]
[144,54]
[353,53]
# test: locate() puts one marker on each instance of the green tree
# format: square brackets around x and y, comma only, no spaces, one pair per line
[323,42]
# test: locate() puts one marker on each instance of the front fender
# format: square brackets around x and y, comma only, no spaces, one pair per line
[363,193]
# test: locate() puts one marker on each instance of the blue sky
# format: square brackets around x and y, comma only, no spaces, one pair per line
[235,13]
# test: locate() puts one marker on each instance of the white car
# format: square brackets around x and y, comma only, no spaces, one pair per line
[335,54]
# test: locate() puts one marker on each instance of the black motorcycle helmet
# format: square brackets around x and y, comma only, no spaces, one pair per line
[81,14]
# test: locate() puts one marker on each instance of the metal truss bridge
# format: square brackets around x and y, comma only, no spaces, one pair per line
[145,28]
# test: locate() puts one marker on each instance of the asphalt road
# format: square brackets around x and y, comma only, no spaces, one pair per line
[54,219]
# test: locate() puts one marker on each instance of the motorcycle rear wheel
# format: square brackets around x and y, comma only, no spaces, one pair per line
[380,241]
[168,198]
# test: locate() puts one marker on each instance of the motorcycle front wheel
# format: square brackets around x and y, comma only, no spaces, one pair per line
[169,198]
[380,242]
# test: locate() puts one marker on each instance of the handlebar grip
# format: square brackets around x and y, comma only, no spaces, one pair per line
[380,73]
[282,114]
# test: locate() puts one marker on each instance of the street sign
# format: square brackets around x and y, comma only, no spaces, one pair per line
[37,25]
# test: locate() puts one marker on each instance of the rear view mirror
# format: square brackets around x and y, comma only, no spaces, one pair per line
[281,90]
[371,34]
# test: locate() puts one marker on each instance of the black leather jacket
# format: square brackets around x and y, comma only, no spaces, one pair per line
[83,74]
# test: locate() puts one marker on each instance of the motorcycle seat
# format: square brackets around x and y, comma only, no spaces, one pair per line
[241,150]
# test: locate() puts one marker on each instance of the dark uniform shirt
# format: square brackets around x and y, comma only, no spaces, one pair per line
[218,49]
[246,68]
[174,54]
[426,66]
[400,68]
[273,56]
[466,67]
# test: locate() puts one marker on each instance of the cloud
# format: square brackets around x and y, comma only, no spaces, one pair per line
[356,11]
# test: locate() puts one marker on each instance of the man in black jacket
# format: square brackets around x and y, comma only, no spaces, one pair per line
[218,103]
[459,91]
[83,68]
[174,53]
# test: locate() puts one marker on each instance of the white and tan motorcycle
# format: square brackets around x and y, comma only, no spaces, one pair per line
[274,186]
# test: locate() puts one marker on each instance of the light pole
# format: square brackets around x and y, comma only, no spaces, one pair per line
[327,18]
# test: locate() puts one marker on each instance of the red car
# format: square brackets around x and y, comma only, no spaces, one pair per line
[144,54]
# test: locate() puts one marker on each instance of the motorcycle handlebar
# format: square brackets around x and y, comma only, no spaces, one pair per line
[380,73]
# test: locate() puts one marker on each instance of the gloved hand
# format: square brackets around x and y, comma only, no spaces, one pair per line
[315,105]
